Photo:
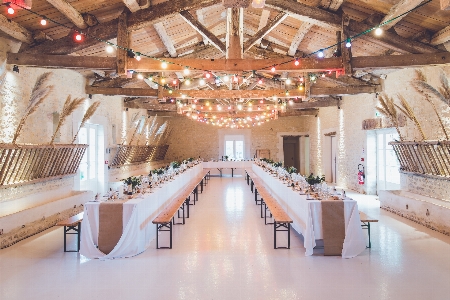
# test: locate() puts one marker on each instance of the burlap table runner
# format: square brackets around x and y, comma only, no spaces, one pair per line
[333,226]
[110,225]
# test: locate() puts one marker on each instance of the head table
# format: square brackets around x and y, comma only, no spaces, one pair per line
[137,215]
[307,215]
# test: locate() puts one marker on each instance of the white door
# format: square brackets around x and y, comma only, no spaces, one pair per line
[388,175]
[90,164]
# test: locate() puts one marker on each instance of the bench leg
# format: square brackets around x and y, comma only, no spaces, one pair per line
[265,214]
[251,186]
[366,225]
[287,227]
[159,229]
[186,202]
[232,172]
[262,202]
[256,196]
[72,230]
[178,214]
[201,185]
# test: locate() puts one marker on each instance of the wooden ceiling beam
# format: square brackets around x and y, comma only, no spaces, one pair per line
[314,104]
[227,94]
[165,38]
[123,41]
[399,8]
[231,65]
[69,12]
[307,13]
[264,31]
[15,30]
[303,112]
[206,34]
[108,30]
[235,33]
[441,36]
[298,38]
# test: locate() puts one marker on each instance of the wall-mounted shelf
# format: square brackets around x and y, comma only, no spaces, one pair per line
[23,164]
[428,157]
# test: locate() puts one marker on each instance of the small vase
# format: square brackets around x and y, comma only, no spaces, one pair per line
[130,189]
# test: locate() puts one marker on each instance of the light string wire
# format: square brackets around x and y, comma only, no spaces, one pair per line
[351,38]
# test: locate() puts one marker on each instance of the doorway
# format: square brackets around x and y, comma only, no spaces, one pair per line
[291,151]
[333,159]
[91,163]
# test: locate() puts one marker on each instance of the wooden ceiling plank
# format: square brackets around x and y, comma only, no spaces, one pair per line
[264,31]
[265,14]
[298,38]
[132,5]
[314,104]
[400,61]
[399,8]
[108,30]
[200,28]
[157,13]
[70,12]
[62,61]
[333,5]
[235,34]
[441,36]
[165,38]
[15,30]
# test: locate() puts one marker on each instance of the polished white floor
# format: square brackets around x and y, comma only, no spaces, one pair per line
[226,252]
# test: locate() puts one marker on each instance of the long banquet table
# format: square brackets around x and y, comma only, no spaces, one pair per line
[138,213]
[307,215]
[227,164]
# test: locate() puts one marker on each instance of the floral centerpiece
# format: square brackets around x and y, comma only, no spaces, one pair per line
[315,180]
[132,182]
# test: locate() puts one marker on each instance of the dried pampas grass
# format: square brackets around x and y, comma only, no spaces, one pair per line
[423,87]
[406,109]
[87,115]
[69,107]
[389,111]
[38,94]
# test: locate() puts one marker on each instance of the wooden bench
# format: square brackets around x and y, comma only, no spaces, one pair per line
[166,218]
[365,220]
[281,220]
[232,171]
[72,225]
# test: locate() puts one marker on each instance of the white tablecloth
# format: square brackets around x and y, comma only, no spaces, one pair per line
[138,215]
[227,164]
[307,216]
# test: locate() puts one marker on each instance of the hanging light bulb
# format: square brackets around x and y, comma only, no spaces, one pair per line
[288,81]
[260,81]
[170,91]
[186,71]
[226,78]
[378,31]
[348,43]
[208,75]
[273,69]
[43,22]
[174,82]
[138,56]
[202,81]
[164,65]
[10,10]
[109,49]
[320,53]
[78,37]
[163,80]
[296,62]
[140,76]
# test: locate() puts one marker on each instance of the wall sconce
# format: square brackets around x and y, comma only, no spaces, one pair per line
[16,68]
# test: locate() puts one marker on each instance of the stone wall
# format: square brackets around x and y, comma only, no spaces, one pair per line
[190,138]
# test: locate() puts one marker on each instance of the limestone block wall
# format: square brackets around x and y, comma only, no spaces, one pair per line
[192,139]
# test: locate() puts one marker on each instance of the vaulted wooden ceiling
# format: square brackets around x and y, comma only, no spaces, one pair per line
[199,29]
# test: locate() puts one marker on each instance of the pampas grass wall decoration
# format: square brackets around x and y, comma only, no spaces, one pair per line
[69,107]
[406,109]
[39,92]
[87,115]
[388,109]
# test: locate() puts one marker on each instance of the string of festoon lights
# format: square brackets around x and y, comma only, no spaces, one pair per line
[260,114]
